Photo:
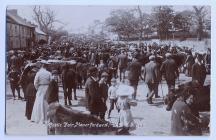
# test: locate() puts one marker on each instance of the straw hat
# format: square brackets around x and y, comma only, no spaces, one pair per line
[113,80]
[124,90]
[104,74]
[44,62]
[168,55]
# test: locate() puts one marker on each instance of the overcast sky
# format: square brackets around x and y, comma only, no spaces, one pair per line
[77,18]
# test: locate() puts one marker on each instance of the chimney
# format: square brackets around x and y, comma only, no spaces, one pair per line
[13,11]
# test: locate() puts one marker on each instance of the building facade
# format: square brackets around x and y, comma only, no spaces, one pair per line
[20,34]
[40,36]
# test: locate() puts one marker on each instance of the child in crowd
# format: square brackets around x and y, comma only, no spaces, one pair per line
[112,95]
[126,122]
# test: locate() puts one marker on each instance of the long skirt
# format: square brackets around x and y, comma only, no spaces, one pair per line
[29,106]
[40,106]
[126,119]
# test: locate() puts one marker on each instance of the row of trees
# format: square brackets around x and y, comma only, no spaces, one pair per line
[163,22]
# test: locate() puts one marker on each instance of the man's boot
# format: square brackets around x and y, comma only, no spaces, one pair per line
[65,101]
[69,102]
[75,97]
[109,113]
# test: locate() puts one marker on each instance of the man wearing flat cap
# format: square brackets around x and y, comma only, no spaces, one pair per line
[170,70]
[151,77]
[94,99]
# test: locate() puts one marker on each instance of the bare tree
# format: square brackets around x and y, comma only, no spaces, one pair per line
[163,18]
[143,23]
[200,13]
[45,18]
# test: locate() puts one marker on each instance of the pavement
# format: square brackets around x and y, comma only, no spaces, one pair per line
[151,120]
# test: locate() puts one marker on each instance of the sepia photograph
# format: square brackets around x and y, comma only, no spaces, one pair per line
[135,70]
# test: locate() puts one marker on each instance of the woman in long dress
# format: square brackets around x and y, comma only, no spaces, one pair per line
[41,82]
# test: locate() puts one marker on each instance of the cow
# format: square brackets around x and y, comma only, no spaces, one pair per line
[201,93]
[66,121]
[69,83]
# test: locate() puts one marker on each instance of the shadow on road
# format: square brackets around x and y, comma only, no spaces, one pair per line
[9,96]
[81,102]
[159,104]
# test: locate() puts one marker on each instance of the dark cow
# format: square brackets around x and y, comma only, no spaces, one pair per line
[65,121]
[69,83]
[202,96]
[82,73]
[179,58]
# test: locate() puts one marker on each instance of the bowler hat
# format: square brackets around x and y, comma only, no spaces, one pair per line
[152,57]
[93,70]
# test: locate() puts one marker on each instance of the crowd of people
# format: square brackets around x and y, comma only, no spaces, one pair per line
[104,69]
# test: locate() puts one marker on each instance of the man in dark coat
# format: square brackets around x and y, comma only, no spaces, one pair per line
[198,70]
[103,87]
[134,74]
[122,64]
[151,77]
[189,63]
[94,99]
[170,71]
[14,77]
[113,66]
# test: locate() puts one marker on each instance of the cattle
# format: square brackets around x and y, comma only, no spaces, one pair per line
[66,121]
[82,73]
[179,58]
[69,83]
[201,93]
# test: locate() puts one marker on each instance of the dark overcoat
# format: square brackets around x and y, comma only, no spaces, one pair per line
[134,71]
[199,73]
[169,69]
[94,98]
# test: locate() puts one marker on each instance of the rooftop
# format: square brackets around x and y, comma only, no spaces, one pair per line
[17,19]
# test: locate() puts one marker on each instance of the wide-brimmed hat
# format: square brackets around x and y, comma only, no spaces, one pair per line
[124,90]
[168,54]
[152,57]
[44,62]
[104,74]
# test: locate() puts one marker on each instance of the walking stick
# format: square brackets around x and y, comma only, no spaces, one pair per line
[162,92]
